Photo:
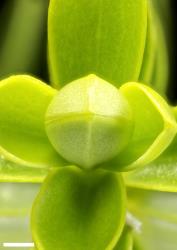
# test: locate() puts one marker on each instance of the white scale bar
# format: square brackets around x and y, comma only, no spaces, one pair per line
[16,244]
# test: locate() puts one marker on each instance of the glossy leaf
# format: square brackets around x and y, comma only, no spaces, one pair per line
[23,141]
[160,174]
[154,129]
[89,121]
[78,210]
[106,38]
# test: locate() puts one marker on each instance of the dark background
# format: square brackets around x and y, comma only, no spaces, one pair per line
[172,92]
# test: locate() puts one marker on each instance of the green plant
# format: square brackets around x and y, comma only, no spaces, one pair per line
[102,135]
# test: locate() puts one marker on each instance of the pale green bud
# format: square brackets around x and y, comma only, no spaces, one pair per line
[89,121]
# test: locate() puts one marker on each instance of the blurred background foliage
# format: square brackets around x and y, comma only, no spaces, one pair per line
[23,37]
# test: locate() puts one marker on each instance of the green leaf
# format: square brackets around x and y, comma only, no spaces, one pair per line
[78,210]
[23,141]
[154,129]
[12,172]
[161,174]
[155,66]
[150,52]
[126,240]
[106,38]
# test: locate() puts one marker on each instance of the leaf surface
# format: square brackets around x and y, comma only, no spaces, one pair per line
[150,52]
[78,210]
[13,172]
[23,141]
[160,175]
[103,37]
[154,128]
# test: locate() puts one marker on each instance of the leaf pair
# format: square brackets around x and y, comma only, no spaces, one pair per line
[75,207]
[23,104]
[95,126]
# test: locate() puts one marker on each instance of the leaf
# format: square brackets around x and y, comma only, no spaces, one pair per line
[155,66]
[106,38]
[150,52]
[161,174]
[126,240]
[23,141]
[78,209]
[154,128]
[12,172]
